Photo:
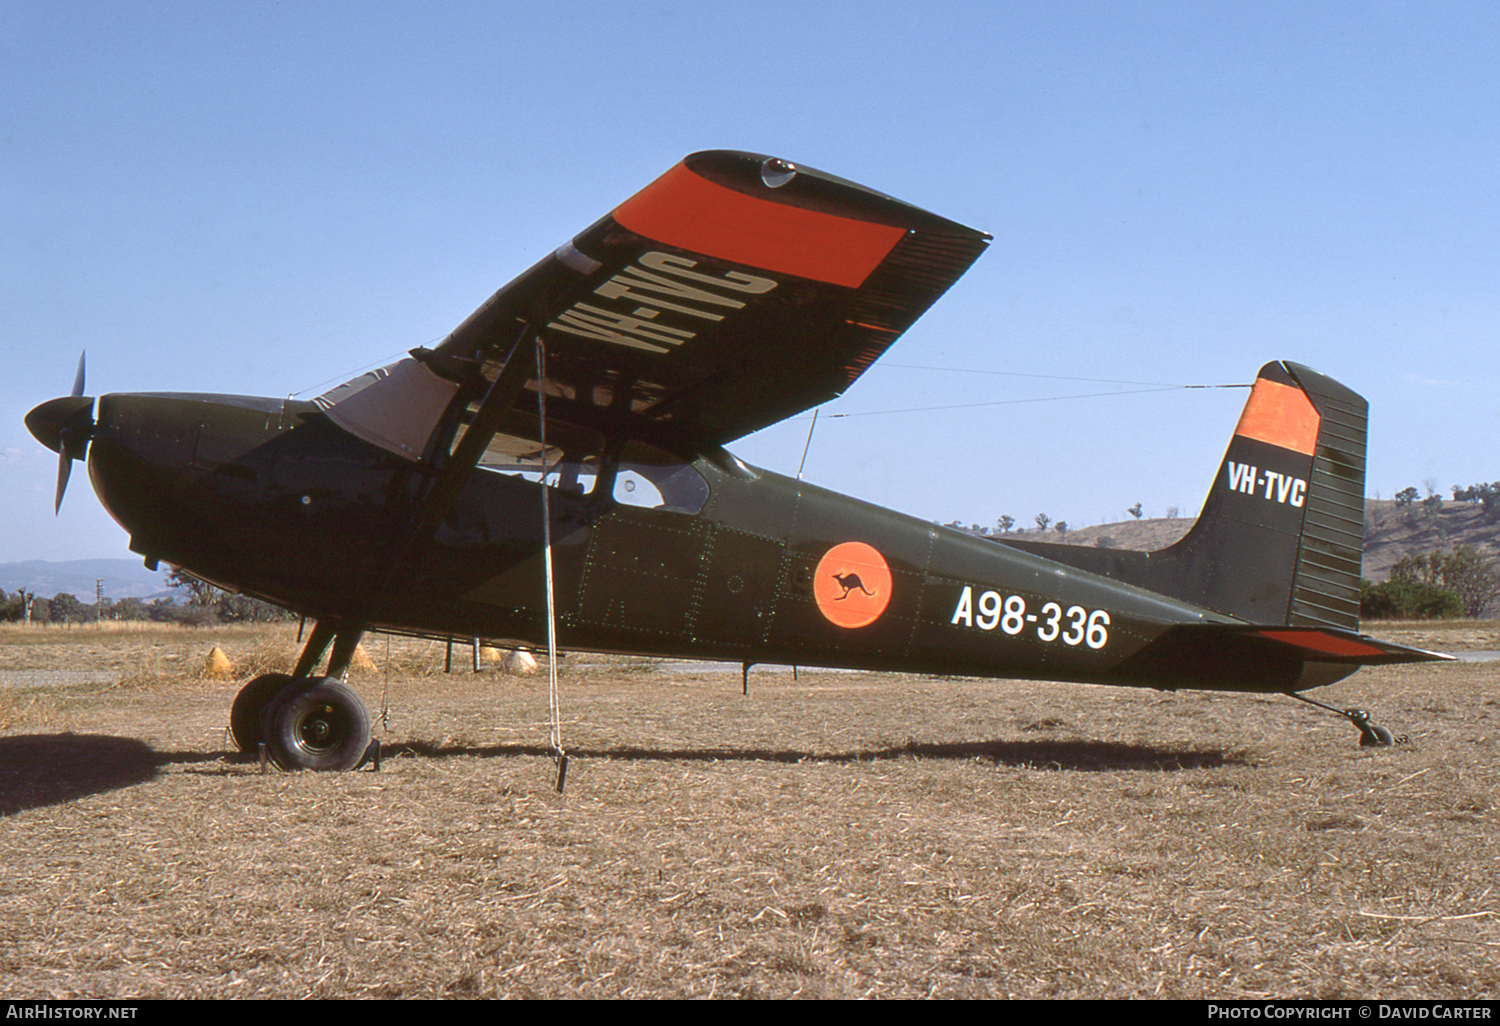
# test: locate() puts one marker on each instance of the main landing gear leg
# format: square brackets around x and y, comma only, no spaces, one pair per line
[306,722]
[1371,734]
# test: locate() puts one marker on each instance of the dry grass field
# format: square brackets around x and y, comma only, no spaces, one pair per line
[841,835]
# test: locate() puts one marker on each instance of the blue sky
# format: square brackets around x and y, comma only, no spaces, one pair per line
[268,198]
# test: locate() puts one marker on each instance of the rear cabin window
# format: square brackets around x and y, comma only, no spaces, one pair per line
[652,479]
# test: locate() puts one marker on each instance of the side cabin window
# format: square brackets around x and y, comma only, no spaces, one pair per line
[573,467]
[651,479]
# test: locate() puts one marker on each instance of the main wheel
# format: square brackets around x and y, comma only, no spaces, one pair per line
[244,715]
[317,725]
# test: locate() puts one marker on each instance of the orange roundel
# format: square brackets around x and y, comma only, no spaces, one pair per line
[852,584]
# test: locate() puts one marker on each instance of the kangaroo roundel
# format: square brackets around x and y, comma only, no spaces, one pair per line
[852,584]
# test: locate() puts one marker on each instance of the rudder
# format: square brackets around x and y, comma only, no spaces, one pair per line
[1279,538]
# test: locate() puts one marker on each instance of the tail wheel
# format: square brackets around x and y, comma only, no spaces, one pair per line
[317,725]
[244,715]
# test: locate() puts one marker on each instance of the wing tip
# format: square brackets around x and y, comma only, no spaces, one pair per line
[743,171]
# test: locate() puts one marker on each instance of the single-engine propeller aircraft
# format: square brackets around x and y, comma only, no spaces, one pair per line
[593,396]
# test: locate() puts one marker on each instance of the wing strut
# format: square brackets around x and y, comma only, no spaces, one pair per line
[541,411]
[454,471]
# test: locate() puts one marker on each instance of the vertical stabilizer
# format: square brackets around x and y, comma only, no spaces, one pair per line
[1279,539]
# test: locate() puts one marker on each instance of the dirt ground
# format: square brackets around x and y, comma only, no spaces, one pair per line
[837,835]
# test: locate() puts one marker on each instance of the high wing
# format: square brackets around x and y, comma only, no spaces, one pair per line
[734,291]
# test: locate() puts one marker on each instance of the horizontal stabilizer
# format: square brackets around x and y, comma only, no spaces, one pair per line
[1257,657]
[1331,645]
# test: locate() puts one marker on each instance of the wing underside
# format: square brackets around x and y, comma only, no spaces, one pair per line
[734,291]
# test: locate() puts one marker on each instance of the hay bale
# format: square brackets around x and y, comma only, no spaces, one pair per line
[518,663]
[361,661]
[217,664]
[267,657]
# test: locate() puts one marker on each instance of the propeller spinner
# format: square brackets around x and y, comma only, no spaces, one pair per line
[65,426]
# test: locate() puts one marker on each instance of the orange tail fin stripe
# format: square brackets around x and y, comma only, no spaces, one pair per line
[1280,415]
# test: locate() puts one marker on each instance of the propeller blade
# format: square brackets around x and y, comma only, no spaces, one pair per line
[65,426]
[64,468]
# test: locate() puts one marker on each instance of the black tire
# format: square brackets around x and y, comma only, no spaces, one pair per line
[244,715]
[317,725]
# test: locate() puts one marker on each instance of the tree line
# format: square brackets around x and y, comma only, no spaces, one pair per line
[1485,495]
[1004,523]
[1439,585]
[205,606]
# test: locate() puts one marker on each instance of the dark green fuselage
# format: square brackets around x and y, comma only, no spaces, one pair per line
[268,497]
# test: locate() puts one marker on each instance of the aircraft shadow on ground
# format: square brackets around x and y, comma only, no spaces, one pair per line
[48,769]
[1077,756]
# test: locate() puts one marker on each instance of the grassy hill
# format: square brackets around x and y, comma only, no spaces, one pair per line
[1390,533]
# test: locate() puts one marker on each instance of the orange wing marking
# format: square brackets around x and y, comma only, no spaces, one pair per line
[685,210]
